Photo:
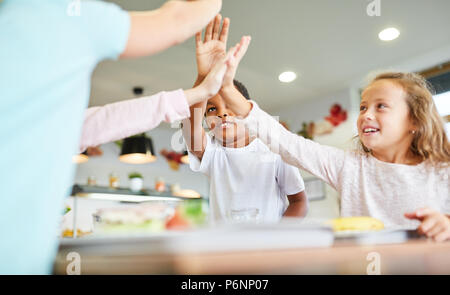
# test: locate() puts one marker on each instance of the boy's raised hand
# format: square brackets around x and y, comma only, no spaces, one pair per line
[234,61]
[213,47]
[433,223]
[234,100]
[213,81]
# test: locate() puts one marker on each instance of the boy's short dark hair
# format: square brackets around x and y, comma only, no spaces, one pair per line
[241,88]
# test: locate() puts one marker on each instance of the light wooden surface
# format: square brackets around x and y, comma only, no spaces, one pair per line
[413,257]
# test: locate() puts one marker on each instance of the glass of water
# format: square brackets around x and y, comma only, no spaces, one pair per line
[245,215]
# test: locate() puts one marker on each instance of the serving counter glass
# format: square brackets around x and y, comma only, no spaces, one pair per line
[293,246]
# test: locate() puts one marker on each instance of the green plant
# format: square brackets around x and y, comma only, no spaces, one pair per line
[66,210]
[193,211]
[135,175]
[305,131]
[119,143]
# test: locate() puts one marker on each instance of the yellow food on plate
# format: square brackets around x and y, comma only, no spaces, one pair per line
[356,223]
[69,233]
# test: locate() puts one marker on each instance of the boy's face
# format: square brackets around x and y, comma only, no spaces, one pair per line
[222,121]
[384,122]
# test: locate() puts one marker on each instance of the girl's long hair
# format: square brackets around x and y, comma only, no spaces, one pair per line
[430,141]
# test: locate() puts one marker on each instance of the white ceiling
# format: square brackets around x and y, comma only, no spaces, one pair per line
[328,43]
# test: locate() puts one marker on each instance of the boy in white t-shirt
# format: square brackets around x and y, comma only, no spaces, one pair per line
[245,176]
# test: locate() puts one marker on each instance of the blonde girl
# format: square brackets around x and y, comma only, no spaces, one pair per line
[401,173]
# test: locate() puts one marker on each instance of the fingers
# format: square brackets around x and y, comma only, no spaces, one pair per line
[443,236]
[222,65]
[198,38]
[439,232]
[216,28]
[426,225]
[209,30]
[436,226]
[420,214]
[231,52]
[435,230]
[241,49]
[245,42]
[423,212]
[410,215]
[223,62]
[213,29]
[225,28]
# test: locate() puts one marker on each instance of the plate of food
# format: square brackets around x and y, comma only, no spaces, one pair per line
[368,231]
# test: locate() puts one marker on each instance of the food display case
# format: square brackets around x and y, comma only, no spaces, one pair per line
[151,232]
[92,209]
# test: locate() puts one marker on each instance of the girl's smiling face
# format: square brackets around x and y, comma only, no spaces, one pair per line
[384,123]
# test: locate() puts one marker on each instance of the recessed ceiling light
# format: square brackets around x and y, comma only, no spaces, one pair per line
[287,77]
[389,34]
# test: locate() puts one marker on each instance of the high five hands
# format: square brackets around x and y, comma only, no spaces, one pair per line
[213,47]
[211,54]
[214,79]
[234,60]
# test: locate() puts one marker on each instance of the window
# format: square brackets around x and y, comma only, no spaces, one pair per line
[442,102]
[439,77]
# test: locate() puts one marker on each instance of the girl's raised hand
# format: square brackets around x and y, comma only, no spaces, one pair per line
[234,61]
[434,224]
[214,79]
[213,47]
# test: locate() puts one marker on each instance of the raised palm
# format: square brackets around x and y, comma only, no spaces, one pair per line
[235,59]
[213,47]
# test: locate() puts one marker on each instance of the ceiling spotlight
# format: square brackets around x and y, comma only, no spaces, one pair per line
[287,77]
[389,34]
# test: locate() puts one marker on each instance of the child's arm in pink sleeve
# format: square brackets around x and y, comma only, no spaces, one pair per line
[126,118]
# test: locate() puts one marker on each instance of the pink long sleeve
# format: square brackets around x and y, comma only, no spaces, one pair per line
[126,118]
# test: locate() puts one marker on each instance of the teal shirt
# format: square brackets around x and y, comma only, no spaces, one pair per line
[48,51]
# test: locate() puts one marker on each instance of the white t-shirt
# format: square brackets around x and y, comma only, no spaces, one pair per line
[247,177]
